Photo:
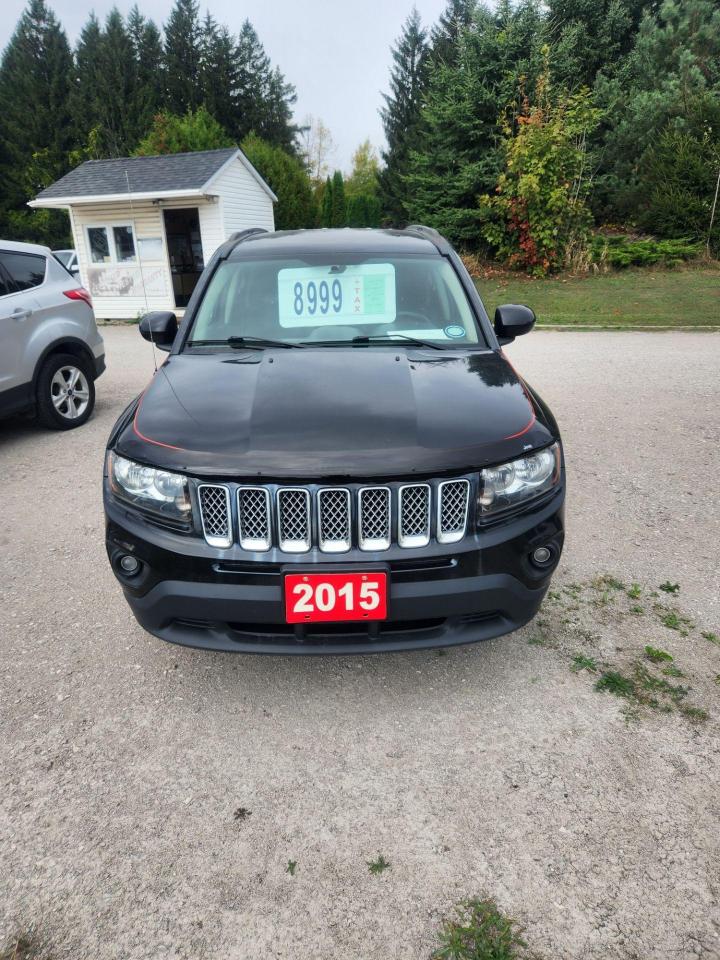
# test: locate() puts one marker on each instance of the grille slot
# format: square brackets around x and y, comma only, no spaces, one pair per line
[215,514]
[414,520]
[453,496]
[334,519]
[374,518]
[293,507]
[254,518]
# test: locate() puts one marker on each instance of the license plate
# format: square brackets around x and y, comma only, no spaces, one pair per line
[325,597]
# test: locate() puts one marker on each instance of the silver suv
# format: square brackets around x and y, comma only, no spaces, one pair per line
[51,352]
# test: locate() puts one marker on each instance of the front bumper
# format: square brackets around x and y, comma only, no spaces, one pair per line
[190,594]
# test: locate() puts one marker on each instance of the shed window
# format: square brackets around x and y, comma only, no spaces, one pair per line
[112,244]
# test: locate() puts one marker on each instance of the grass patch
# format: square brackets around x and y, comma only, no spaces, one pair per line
[674,621]
[480,931]
[668,587]
[291,867]
[637,610]
[581,662]
[712,637]
[612,681]
[655,297]
[693,714]
[657,656]
[672,671]
[634,591]
[378,866]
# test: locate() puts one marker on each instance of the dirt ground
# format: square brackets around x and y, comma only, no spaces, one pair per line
[151,797]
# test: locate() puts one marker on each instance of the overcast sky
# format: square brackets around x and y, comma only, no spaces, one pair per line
[336,52]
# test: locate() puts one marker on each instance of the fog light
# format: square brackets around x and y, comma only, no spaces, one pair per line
[541,556]
[129,565]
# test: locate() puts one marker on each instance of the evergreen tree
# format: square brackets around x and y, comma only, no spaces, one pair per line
[36,130]
[401,115]
[327,204]
[253,80]
[116,87]
[147,51]
[455,19]
[219,74]
[460,155]
[183,90]
[277,126]
[338,211]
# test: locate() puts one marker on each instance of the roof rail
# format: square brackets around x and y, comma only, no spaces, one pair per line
[428,233]
[225,249]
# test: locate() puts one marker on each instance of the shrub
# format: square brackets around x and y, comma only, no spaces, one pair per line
[539,219]
[624,251]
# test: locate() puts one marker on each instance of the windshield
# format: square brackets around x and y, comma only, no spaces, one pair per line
[311,301]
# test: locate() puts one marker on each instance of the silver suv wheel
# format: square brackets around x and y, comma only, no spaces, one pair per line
[70,392]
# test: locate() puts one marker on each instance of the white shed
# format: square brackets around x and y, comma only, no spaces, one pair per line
[144,227]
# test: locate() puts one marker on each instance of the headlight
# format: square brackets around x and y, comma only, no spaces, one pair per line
[512,483]
[157,490]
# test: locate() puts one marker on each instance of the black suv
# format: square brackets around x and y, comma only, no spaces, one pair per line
[336,456]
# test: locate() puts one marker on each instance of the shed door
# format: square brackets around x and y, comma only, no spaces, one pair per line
[182,229]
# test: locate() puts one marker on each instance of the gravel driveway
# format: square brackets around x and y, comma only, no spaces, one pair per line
[153,796]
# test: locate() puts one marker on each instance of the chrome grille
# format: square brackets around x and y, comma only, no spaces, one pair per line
[453,498]
[294,519]
[414,521]
[254,518]
[215,513]
[374,518]
[334,519]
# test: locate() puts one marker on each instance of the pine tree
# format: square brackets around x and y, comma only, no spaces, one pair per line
[455,19]
[277,126]
[253,78]
[147,51]
[338,211]
[401,115]
[183,90]
[219,74]
[460,155]
[327,204]
[116,89]
[36,129]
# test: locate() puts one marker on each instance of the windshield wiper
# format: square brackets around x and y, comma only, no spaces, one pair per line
[251,343]
[378,338]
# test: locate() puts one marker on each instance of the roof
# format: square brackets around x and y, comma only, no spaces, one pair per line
[15,246]
[347,240]
[168,175]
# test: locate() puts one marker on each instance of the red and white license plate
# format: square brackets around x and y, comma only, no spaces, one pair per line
[323,597]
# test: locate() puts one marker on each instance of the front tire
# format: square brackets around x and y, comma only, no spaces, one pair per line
[65,392]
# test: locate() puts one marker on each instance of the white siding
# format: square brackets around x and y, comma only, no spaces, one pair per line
[243,202]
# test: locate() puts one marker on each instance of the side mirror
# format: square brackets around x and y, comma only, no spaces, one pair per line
[513,320]
[160,328]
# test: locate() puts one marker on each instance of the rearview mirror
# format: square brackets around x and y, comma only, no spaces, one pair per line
[159,327]
[513,320]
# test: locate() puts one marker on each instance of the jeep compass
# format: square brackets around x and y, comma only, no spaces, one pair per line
[336,456]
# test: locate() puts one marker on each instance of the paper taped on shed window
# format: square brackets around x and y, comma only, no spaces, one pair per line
[316,296]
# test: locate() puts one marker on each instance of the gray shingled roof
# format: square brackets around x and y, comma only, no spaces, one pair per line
[177,171]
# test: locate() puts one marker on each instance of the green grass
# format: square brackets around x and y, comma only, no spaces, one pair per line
[479,931]
[379,865]
[657,656]
[680,297]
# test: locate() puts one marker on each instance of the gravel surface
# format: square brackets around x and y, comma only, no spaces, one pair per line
[152,796]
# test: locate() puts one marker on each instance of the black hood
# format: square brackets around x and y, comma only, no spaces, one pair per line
[333,412]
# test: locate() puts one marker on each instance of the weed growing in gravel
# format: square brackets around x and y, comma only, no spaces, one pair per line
[674,621]
[668,587]
[693,714]
[291,867]
[242,813]
[657,656]
[607,581]
[717,680]
[581,662]
[634,591]
[672,671]
[638,611]
[23,946]
[479,931]
[614,682]
[377,866]
[712,637]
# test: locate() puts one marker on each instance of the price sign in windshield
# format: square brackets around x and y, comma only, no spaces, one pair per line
[315,296]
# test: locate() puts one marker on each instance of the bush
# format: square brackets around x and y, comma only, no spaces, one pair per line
[539,218]
[624,251]
[288,179]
